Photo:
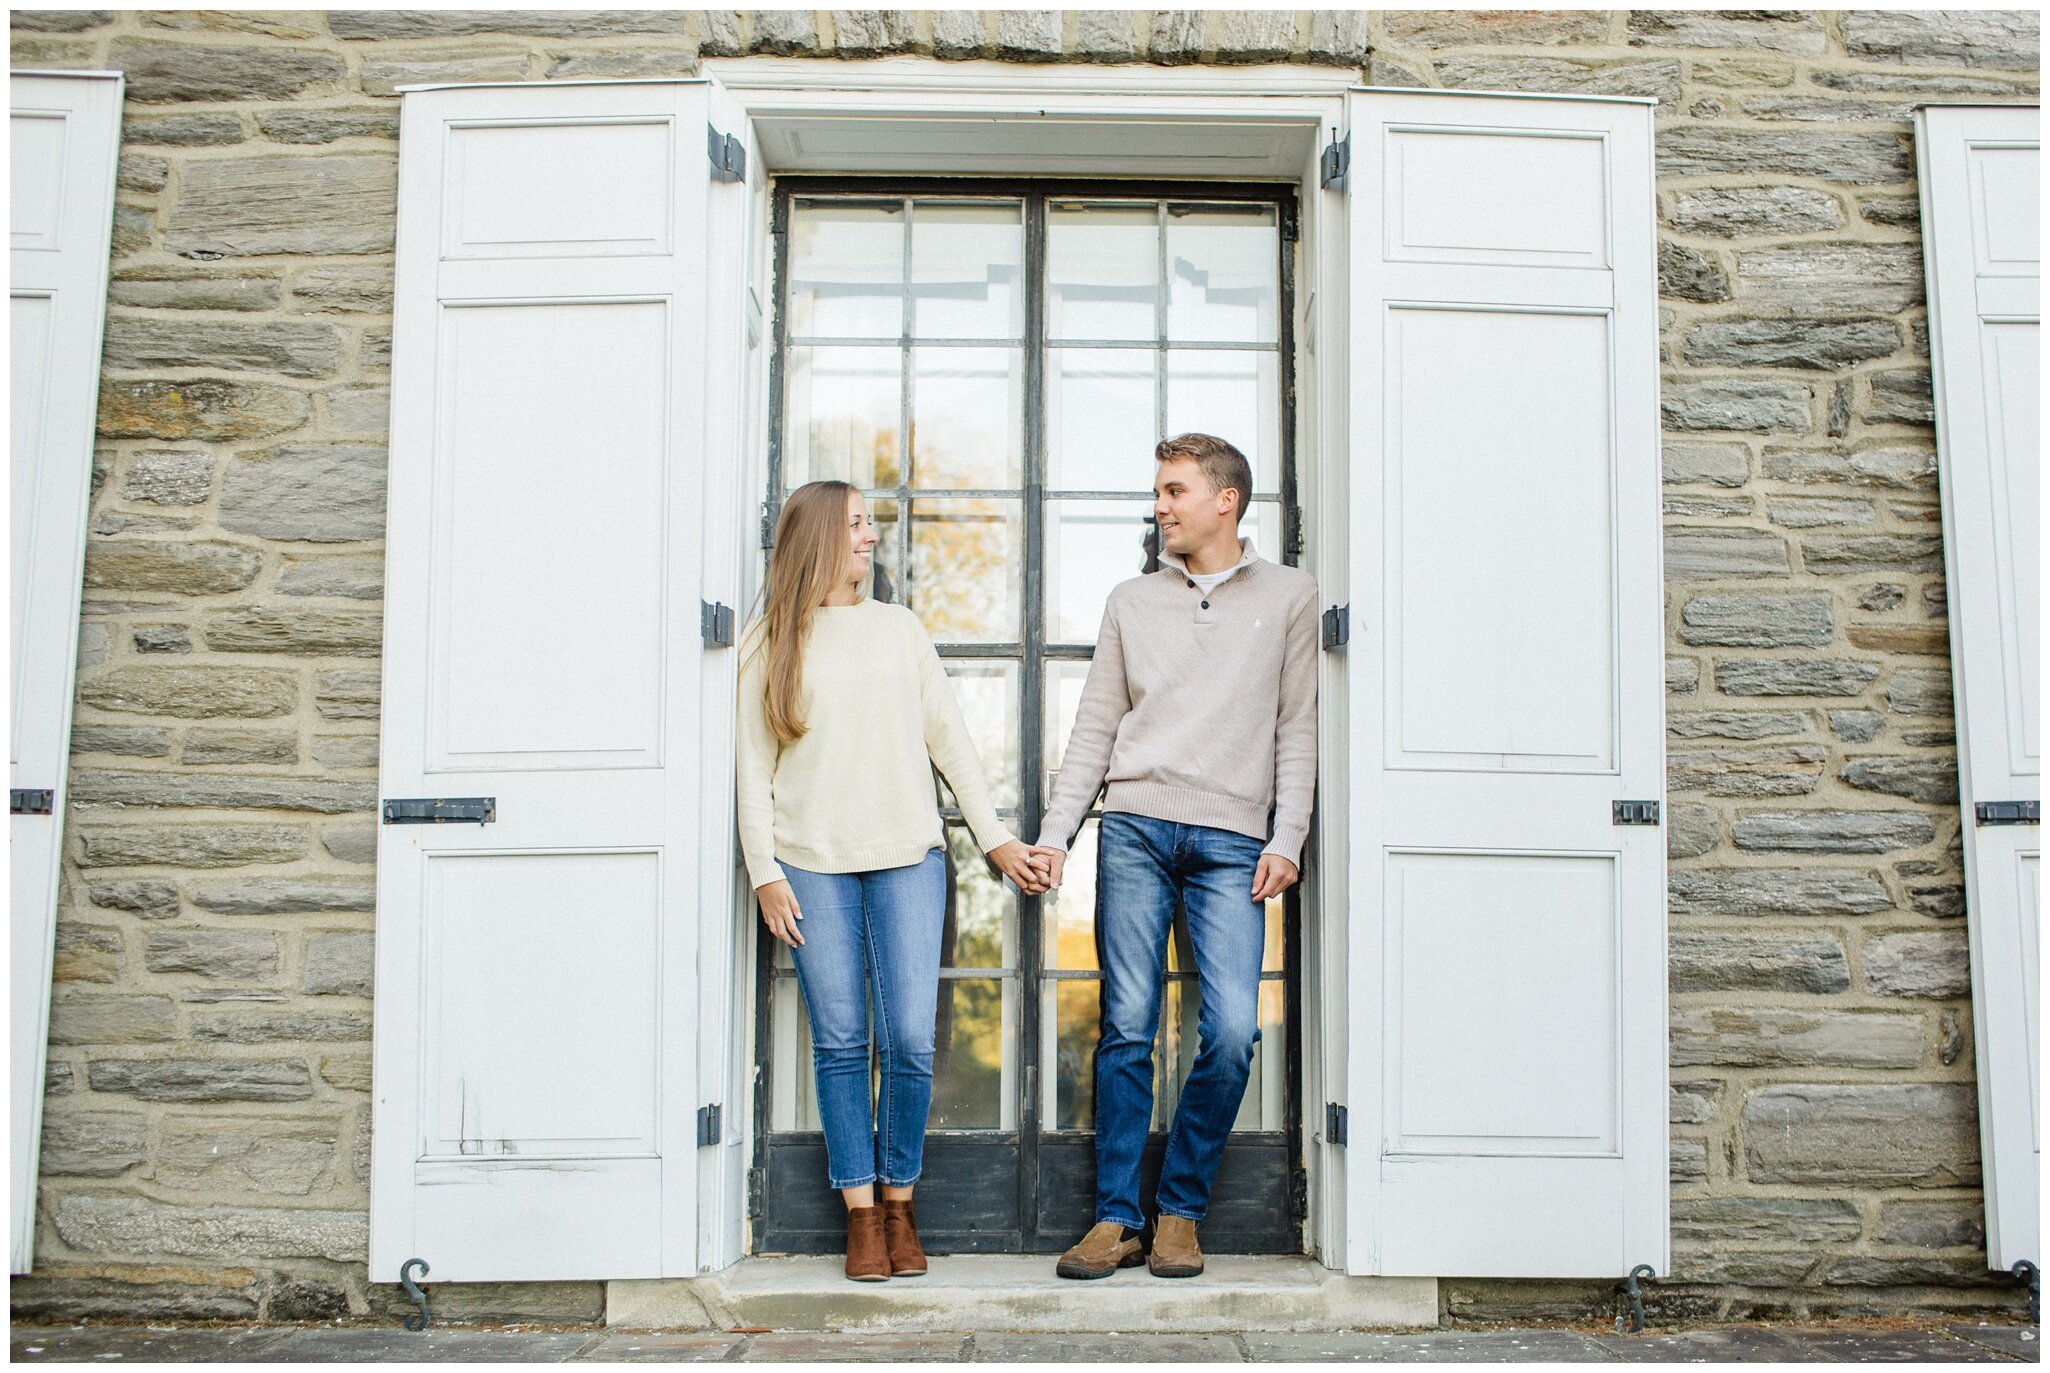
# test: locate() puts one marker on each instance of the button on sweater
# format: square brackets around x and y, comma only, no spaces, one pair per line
[856,794]
[1200,707]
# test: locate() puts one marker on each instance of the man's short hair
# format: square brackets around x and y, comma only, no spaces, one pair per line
[1223,465]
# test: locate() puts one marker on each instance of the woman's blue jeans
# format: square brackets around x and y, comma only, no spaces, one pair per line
[1144,868]
[883,929]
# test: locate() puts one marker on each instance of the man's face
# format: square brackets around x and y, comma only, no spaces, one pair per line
[1190,515]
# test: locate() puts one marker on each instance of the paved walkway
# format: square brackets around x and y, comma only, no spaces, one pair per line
[1958,1343]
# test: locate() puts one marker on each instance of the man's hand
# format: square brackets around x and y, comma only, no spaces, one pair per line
[1016,862]
[1274,876]
[1050,861]
[779,911]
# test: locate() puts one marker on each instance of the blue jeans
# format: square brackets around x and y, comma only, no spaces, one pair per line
[860,929]
[1144,867]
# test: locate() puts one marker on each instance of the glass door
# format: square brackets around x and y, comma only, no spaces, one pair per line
[993,365]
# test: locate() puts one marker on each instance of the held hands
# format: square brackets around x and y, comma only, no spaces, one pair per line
[1049,862]
[779,911]
[1273,877]
[1016,862]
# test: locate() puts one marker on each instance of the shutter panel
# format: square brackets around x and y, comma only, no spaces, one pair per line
[537,975]
[1980,169]
[1507,1076]
[64,137]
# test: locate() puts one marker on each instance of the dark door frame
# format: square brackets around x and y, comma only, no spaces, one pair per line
[1262,1179]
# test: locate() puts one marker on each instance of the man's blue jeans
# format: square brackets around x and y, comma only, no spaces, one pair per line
[881,927]
[1144,867]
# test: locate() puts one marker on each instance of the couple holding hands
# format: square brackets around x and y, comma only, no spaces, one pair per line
[1199,712]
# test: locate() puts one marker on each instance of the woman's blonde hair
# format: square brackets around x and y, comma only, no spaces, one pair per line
[810,558]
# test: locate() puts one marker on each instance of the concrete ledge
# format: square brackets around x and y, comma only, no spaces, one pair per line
[1020,1292]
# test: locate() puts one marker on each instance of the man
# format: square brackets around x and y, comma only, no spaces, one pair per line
[1201,712]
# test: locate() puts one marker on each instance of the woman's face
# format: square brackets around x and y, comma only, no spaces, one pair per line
[861,537]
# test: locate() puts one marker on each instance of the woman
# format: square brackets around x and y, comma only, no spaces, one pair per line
[844,711]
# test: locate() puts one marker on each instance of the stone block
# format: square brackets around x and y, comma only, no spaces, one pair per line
[1683,676]
[1919,963]
[58,21]
[319,633]
[376,24]
[1919,1134]
[1338,37]
[236,1155]
[1793,677]
[1534,28]
[1716,553]
[1176,36]
[1763,407]
[216,747]
[1252,35]
[97,1018]
[1834,831]
[74,1298]
[180,130]
[141,1226]
[227,955]
[351,843]
[1833,277]
[2000,39]
[281,1027]
[152,343]
[1705,463]
[1820,512]
[1736,724]
[202,408]
[1931,780]
[869,33]
[347,695]
[188,846]
[1920,691]
[1718,1221]
[360,410]
[149,900]
[1691,507]
[1743,1037]
[1859,159]
[1892,212]
[87,953]
[1945,902]
[674,61]
[328,493]
[287,895]
[348,1072]
[1855,726]
[141,172]
[180,567]
[1901,468]
[1902,397]
[328,126]
[1772,893]
[1932,1224]
[1687,1161]
[161,73]
[338,963]
[1930,641]
[169,478]
[267,23]
[1691,830]
[1798,619]
[1690,274]
[1861,1270]
[201,1079]
[345,750]
[305,1299]
[120,522]
[1725,960]
[194,692]
[957,33]
[1560,75]
[338,203]
[221,792]
[1795,32]
[1755,211]
[785,33]
[92,1144]
[1865,79]
[1793,770]
[352,576]
[129,743]
[1693,1103]
[1817,344]
[1836,553]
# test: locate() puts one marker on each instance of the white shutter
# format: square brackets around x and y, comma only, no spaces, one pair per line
[536,1074]
[1507,1076]
[64,139]
[1980,170]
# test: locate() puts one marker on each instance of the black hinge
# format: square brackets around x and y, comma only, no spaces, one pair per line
[1337,626]
[30,800]
[728,157]
[715,622]
[441,810]
[1634,812]
[1334,1123]
[709,1129]
[1337,161]
[2008,812]
[1298,1194]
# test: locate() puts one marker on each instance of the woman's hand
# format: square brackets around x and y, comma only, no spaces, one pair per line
[779,911]
[1016,862]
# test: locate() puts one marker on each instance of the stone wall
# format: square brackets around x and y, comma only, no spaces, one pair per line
[207,1113]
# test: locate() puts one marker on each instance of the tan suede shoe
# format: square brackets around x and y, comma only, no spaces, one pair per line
[1175,1252]
[900,1237]
[868,1256]
[1102,1252]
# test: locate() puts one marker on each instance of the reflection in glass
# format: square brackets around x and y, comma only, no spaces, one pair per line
[971,1088]
[1074,1020]
[981,912]
[1102,270]
[1091,546]
[1101,418]
[967,268]
[846,269]
[841,416]
[967,558]
[1234,395]
[1069,913]
[1262,524]
[988,693]
[886,582]
[967,417]
[1064,681]
[1221,281]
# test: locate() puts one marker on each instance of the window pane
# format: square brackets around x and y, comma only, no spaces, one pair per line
[972,1085]
[967,557]
[1102,271]
[842,415]
[1263,526]
[1235,396]
[967,417]
[967,269]
[1072,1016]
[1175,1051]
[1222,273]
[1069,913]
[1064,681]
[1091,546]
[988,693]
[982,913]
[1101,420]
[886,582]
[846,269]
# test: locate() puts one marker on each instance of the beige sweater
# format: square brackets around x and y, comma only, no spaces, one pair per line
[1200,707]
[856,793]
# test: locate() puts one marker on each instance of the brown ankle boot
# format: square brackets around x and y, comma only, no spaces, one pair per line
[900,1237]
[1101,1252]
[1175,1251]
[868,1259]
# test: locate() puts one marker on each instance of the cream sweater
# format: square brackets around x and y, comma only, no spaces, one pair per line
[856,794]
